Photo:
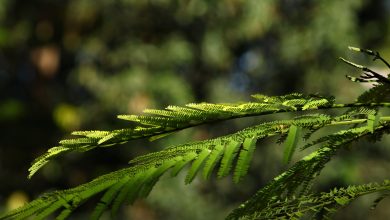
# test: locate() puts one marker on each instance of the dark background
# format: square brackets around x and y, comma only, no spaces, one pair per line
[75,65]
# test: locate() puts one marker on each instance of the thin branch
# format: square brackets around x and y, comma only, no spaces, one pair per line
[375,54]
[368,73]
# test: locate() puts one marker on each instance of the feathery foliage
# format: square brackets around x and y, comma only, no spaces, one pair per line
[287,196]
[312,205]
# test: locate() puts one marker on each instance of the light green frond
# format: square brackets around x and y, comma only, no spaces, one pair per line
[244,158]
[229,155]
[107,198]
[91,134]
[196,165]
[64,214]
[315,104]
[155,124]
[317,205]
[159,121]
[310,120]
[108,137]
[151,180]
[277,99]
[295,102]
[291,142]
[214,158]
[221,151]
[358,112]
[372,122]
[39,162]
[29,209]
[77,142]
[49,210]
[129,190]
[338,136]
[184,161]
[290,182]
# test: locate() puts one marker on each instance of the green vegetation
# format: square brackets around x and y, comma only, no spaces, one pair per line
[287,196]
[74,65]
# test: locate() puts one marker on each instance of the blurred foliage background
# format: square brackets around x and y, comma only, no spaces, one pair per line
[72,65]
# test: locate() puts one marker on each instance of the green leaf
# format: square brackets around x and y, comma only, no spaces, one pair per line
[229,155]
[291,142]
[35,206]
[44,159]
[152,179]
[185,160]
[196,165]
[49,210]
[215,156]
[342,200]
[314,104]
[64,214]
[107,198]
[107,138]
[130,190]
[372,122]
[244,158]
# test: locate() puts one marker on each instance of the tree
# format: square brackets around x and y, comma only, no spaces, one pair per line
[287,196]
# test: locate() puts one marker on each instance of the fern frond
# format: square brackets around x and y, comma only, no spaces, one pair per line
[49,209]
[61,200]
[310,120]
[155,124]
[338,136]
[244,159]
[277,99]
[107,198]
[291,181]
[151,180]
[64,214]
[129,191]
[30,209]
[228,157]
[218,153]
[91,134]
[214,158]
[159,123]
[378,93]
[182,162]
[372,122]
[291,142]
[196,165]
[285,197]
[42,160]
[316,103]
[317,205]
[137,180]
